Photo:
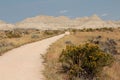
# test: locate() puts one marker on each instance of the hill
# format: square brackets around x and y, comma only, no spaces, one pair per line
[61,22]
[6,26]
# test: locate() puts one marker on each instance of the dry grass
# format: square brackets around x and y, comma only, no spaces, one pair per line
[52,64]
[51,60]
[26,36]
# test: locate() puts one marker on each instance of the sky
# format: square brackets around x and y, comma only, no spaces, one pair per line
[13,11]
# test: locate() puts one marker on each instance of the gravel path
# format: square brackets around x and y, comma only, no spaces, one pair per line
[25,62]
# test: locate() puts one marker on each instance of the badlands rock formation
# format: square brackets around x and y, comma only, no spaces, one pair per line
[6,26]
[94,22]
[62,22]
[45,22]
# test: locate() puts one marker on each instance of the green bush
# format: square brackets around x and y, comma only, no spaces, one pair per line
[85,61]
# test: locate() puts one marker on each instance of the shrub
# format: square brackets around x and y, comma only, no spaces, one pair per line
[48,32]
[85,61]
[35,36]
[68,42]
[89,30]
[13,34]
[108,45]
[5,45]
[105,29]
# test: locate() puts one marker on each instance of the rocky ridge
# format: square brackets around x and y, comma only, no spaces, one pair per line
[61,22]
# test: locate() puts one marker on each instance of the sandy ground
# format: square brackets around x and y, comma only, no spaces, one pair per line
[25,62]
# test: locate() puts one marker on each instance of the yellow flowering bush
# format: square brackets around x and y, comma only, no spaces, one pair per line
[84,61]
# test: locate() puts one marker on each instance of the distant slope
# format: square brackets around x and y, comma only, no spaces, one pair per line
[6,26]
[62,22]
[45,22]
[116,22]
[96,22]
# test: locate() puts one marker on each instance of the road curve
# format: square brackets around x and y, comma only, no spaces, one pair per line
[25,62]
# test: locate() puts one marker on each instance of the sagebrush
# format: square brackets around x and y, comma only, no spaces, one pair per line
[84,61]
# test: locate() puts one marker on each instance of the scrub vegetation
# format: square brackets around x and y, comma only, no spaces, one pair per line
[10,39]
[87,54]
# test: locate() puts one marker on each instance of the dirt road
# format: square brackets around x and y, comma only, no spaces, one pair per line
[25,62]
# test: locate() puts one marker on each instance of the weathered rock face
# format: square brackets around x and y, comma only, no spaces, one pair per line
[45,22]
[5,26]
[61,22]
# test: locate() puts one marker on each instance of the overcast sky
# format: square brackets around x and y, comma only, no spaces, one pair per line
[17,10]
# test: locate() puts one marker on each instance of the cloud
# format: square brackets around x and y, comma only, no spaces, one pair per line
[105,14]
[63,11]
